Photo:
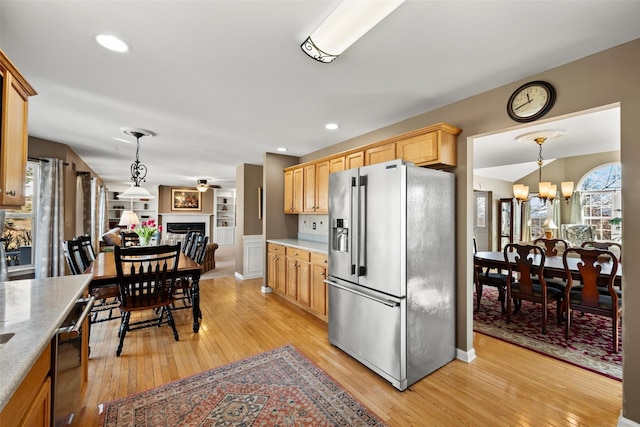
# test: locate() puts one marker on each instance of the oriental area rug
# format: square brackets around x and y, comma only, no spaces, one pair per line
[590,343]
[281,387]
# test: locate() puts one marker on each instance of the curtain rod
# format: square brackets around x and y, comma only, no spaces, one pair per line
[38,159]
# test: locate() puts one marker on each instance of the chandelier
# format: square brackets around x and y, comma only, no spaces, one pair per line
[138,170]
[546,190]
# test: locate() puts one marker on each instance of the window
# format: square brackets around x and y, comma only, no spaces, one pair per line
[19,225]
[601,198]
[539,214]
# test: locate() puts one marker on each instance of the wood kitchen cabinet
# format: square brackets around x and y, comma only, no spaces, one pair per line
[293,191]
[30,405]
[298,275]
[13,134]
[380,154]
[276,274]
[336,164]
[435,146]
[354,160]
[319,294]
[322,188]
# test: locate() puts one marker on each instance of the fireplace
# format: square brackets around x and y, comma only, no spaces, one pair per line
[184,227]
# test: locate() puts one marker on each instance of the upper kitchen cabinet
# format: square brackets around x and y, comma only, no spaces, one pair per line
[293,191]
[380,154]
[433,146]
[13,134]
[316,188]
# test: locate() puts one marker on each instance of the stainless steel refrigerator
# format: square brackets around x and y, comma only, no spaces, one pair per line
[391,269]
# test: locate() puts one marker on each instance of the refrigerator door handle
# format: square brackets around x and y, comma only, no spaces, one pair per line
[354,231]
[387,302]
[362,226]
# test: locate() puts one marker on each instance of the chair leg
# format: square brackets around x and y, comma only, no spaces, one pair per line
[509,299]
[478,295]
[545,314]
[567,319]
[614,320]
[171,322]
[124,326]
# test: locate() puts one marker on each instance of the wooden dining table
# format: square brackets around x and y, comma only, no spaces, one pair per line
[105,280]
[553,265]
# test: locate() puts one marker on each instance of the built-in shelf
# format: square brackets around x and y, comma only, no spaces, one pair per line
[225,217]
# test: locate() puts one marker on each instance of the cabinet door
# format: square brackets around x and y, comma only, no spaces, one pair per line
[291,287]
[309,191]
[382,153]
[298,190]
[322,187]
[288,192]
[419,149]
[39,413]
[318,287]
[337,164]
[13,144]
[354,160]
[304,283]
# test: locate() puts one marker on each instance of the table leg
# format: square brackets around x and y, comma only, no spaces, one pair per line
[195,300]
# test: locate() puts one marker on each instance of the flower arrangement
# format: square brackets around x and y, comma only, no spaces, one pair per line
[146,230]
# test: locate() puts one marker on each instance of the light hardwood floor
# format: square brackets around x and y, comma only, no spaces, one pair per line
[505,386]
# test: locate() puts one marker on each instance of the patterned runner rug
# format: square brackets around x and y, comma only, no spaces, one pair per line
[279,387]
[590,339]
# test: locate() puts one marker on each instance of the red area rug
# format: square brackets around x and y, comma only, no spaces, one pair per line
[281,387]
[590,339]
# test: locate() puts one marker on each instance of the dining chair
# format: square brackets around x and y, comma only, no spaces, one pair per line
[614,247]
[553,247]
[146,277]
[88,254]
[73,253]
[587,296]
[129,238]
[530,284]
[485,276]
[189,240]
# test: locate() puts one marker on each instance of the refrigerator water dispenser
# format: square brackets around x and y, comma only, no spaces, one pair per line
[340,236]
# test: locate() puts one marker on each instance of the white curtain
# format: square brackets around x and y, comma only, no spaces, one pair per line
[576,209]
[99,220]
[526,223]
[49,257]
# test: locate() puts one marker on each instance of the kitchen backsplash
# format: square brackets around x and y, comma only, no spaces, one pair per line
[313,227]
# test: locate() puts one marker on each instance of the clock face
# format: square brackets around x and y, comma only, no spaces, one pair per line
[531,101]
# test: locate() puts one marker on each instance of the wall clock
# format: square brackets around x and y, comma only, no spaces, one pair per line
[531,101]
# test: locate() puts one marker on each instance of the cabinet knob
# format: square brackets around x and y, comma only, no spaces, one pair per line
[11,193]
[324,261]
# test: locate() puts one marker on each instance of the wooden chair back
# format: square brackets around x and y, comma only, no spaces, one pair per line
[129,238]
[189,240]
[146,275]
[614,247]
[74,255]
[552,246]
[594,292]
[199,243]
[88,253]
[529,264]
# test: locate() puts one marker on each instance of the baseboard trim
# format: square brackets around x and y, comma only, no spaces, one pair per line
[466,356]
[624,422]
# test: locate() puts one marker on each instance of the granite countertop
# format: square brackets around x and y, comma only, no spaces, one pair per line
[310,245]
[32,309]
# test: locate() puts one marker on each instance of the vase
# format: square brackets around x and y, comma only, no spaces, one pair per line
[145,241]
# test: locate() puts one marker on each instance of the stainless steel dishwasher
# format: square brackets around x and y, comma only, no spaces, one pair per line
[67,364]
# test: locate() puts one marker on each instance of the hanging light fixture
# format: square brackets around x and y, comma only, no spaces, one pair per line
[346,24]
[546,190]
[202,185]
[138,170]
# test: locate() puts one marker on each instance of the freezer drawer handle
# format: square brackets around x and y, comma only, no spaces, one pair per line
[381,301]
[73,330]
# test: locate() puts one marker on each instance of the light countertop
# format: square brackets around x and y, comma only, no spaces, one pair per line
[32,309]
[309,245]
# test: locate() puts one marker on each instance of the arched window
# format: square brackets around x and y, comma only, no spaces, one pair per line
[600,195]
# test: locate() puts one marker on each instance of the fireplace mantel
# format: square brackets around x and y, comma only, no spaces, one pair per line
[173,217]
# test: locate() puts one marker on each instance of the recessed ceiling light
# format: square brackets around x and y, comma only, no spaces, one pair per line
[331,126]
[112,43]
[281,149]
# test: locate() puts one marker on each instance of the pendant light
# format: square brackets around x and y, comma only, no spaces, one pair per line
[138,170]
[546,190]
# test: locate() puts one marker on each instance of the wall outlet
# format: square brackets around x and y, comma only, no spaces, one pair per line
[313,225]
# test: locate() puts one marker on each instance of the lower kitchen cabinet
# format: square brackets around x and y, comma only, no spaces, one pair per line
[30,405]
[298,276]
[276,268]
[319,264]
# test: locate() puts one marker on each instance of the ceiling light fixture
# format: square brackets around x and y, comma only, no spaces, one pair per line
[546,190]
[138,170]
[202,185]
[331,126]
[281,150]
[350,21]
[112,43]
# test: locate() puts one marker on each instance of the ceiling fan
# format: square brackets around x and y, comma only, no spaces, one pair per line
[203,186]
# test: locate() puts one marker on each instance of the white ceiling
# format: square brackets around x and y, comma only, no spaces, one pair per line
[223,82]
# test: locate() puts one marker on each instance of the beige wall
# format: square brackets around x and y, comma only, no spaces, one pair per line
[248,179]
[605,78]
